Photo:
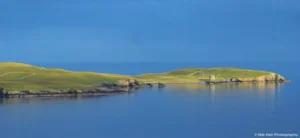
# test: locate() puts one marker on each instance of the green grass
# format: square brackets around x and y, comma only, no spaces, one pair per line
[194,75]
[17,76]
[50,78]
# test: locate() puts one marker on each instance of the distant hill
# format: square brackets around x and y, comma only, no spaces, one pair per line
[18,76]
[195,75]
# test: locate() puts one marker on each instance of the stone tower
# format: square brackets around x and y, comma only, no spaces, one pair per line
[212,78]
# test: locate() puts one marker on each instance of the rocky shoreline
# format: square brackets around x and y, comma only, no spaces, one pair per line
[110,89]
[102,89]
[247,81]
[221,82]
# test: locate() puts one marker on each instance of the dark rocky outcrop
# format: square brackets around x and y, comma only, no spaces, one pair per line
[1,92]
[159,85]
[102,89]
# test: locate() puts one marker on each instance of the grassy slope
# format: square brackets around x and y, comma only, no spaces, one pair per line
[194,75]
[50,78]
[45,79]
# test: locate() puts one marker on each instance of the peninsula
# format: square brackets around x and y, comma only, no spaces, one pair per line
[213,76]
[23,80]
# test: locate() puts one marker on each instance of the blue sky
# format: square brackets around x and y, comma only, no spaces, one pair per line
[149,30]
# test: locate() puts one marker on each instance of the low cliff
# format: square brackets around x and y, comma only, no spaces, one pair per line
[264,78]
[124,86]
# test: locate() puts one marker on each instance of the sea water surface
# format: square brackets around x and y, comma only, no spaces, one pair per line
[176,111]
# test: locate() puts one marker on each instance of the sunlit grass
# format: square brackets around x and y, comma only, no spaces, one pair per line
[50,78]
[194,75]
[17,76]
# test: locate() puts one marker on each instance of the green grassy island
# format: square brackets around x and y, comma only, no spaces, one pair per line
[212,76]
[23,80]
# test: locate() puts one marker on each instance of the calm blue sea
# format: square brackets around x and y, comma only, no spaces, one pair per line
[176,111]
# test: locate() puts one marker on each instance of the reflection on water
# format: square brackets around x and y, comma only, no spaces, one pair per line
[7,101]
[227,87]
[267,93]
[198,110]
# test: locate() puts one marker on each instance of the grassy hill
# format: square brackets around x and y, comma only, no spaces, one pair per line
[17,76]
[196,75]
